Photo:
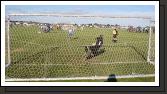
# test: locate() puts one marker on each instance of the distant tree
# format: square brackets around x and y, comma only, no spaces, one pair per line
[108,25]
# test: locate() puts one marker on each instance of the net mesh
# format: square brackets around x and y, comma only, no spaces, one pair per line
[42,47]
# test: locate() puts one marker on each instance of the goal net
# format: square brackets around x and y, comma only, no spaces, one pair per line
[63,47]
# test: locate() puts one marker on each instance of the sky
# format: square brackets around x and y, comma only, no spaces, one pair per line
[106,10]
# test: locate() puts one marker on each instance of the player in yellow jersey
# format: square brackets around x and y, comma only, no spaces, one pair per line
[115,34]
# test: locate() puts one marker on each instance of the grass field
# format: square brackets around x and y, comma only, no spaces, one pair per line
[54,55]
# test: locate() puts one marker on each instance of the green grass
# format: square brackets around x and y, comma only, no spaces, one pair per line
[51,55]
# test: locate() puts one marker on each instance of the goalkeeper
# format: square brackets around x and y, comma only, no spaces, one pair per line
[95,48]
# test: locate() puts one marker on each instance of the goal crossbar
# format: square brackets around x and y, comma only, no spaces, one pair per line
[86,16]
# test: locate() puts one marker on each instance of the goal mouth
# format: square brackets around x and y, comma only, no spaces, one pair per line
[57,54]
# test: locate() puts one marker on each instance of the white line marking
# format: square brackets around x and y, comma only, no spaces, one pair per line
[82,78]
[72,64]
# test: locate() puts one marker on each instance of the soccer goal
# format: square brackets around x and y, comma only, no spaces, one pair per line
[38,47]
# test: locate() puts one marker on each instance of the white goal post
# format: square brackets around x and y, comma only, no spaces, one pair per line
[150,43]
[8,42]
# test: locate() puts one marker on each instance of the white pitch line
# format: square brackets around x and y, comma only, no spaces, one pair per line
[83,78]
[85,45]
[36,43]
[110,63]
[119,62]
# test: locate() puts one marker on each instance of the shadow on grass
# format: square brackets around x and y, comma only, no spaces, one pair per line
[111,78]
[75,37]
[95,54]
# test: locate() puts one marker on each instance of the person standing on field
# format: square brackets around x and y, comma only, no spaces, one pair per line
[115,34]
[71,32]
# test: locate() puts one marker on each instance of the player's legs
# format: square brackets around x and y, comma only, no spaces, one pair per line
[114,38]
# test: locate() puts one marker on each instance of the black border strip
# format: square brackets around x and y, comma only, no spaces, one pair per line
[93,89]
